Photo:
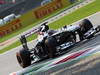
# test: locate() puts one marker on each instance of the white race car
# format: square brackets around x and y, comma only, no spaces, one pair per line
[53,42]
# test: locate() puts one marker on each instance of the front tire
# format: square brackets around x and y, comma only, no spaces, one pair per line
[23,58]
[85,25]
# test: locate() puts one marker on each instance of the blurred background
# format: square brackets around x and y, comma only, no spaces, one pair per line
[17,6]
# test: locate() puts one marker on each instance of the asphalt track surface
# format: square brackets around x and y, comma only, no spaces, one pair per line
[86,66]
[8,62]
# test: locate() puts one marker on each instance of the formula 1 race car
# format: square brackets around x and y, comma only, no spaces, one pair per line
[53,42]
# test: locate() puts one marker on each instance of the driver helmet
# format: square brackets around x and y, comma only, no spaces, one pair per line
[65,26]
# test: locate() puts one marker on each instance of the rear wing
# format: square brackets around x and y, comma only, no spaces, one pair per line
[23,39]
[34,30]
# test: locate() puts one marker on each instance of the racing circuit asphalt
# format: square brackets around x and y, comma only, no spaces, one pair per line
[8,62]
[87,66]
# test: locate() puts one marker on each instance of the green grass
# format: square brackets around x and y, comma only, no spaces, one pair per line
[77,15]
[16,44]
[68,19]
[34,24]
[10,47]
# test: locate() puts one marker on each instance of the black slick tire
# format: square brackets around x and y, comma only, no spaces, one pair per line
[51,46]
[85,25]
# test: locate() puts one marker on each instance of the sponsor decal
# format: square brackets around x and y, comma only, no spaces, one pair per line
[11,26]
[47,9]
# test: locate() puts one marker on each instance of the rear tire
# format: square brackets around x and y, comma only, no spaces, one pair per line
[51,46]
[23,58]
